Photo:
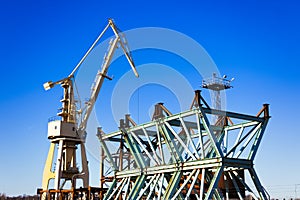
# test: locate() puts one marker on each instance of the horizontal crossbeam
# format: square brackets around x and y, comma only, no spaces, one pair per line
[186,166]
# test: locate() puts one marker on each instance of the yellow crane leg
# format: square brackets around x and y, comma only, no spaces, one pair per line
[48,173]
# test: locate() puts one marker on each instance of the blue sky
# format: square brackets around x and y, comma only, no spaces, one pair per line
[257,42]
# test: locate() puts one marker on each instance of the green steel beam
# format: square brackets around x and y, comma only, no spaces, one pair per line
[134,149]
[110,190]
[169,139]
[211,134]
[245,185]
[251,132]
[138,185]
[107,152]
[214,183]
[235,185]
[258,185]
[240,125]
[155,177]
[181,143]
[233,115]
[173,185]
[257,141]
[186,166]
[193,125]
[173,119]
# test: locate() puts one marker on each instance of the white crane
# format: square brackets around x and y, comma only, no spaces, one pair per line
[70,131]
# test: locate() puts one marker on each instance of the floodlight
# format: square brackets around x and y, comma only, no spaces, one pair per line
[48,85]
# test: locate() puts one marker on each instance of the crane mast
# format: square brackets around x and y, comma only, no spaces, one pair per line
[70,131]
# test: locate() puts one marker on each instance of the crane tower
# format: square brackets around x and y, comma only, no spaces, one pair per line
[68,133]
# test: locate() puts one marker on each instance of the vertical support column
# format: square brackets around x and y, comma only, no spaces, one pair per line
[121,154]
[106,150]
[102,178]
[257,184]
[158,111]
[197,100]
[58,165]
[202,183]
[48,173]
[85,170]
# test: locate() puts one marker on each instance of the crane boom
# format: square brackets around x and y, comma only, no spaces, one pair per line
[101,75]
[97,87]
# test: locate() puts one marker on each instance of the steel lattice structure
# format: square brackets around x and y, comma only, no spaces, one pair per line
[184,155]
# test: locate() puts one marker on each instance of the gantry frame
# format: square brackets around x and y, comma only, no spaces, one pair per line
[183,156]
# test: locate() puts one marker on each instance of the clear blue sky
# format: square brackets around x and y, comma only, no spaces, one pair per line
[257,42]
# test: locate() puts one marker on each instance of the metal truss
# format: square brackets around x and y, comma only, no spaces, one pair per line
[184,156]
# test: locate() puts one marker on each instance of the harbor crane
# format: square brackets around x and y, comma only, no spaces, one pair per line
[69,132]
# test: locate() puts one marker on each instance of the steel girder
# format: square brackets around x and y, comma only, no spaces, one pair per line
[183,156]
